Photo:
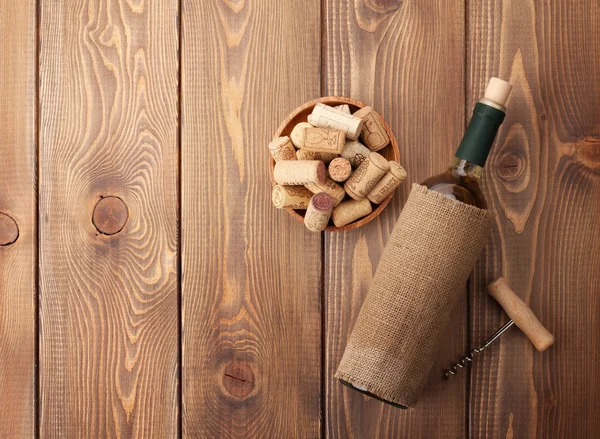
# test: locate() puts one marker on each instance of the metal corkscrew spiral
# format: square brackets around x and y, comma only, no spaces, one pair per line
[523,317]
[468,359]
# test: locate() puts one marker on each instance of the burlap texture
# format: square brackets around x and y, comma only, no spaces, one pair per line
[421,275]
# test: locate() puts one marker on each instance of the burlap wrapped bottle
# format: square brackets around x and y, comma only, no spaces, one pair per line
[421,275]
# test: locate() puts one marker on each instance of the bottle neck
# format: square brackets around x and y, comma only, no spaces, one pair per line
[463,168]
[481,133]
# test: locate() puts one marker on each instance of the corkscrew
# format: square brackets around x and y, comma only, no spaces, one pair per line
[468,359]
[520,314]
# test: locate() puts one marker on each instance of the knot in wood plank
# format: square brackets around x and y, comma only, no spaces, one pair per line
[238,379]
[383,6]
[9,230]
[588,152]
[513,163]
[110,215]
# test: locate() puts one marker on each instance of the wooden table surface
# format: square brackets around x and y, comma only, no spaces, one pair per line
[212,314]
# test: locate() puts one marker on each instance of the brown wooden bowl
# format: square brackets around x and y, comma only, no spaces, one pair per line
[300,114]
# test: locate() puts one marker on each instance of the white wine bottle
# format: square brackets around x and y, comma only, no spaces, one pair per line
[418,279]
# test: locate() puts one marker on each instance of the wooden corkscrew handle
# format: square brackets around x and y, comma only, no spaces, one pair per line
[521,314]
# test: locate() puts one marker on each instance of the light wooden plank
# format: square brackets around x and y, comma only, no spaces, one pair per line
[18,223]
[405,58]
[543,181]
[108,303]
[251,274]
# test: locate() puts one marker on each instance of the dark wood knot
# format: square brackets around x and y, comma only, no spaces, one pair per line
[383,6]
[9,230]
[110,215]
[238,379]
[510,165]
[588,152]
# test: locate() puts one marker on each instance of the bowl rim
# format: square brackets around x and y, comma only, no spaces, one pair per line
[338,100]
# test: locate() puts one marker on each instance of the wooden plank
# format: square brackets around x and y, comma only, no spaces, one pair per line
[108,299]
[543,181]
[251,274]
[18,223]
[406,59]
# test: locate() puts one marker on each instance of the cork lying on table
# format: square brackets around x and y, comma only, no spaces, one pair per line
[355,152]
[330,187]
[299,172]
[318,212]
[325,157]
[339,169]
[367,176]
[297,134]
[282,149]
[324,140]
[344,108]
[291,197]
[349,211]
[373,132]
[387,184]
[325,116]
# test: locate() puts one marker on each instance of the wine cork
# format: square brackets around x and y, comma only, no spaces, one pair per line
[330,187]
[318,212]
[387,184]
[325,157]
[324,140]
[324,116]
[344,108]
[297,134]
[366,176]
[339,169]
[282,149]
[349,211]
[312,120]
[291,197]
[498,91]
[373,133]
[355,152]
[299,172]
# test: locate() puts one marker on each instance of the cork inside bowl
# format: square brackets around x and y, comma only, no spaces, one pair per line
[300,114]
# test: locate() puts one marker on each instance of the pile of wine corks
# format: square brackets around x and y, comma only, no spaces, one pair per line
[330,167]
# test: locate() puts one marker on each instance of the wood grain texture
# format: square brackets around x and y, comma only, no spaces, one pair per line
[405,58]
[543,180]
[251,273]
[18,246]
[108,304]
[253,280]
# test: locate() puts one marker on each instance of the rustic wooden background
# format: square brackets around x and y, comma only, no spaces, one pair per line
[211,314]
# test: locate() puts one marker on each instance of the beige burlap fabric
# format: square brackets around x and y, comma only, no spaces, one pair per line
[421,275]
